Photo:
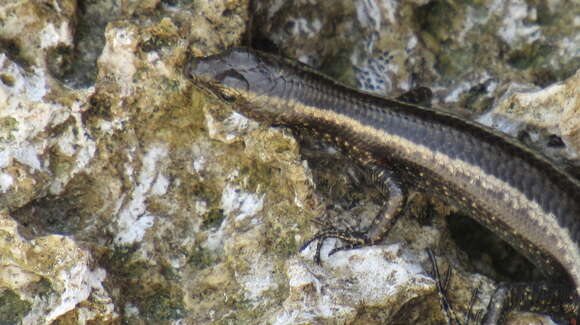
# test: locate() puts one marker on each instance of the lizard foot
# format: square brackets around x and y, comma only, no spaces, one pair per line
[353,240]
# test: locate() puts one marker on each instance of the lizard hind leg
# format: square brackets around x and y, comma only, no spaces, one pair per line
[554,299]
[390,187]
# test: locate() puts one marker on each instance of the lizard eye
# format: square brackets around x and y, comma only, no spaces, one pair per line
[233,79]
[227,97]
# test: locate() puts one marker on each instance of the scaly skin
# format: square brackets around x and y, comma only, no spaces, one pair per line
[515,192]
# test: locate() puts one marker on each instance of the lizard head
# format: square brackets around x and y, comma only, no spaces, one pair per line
[242,77]
[233,73]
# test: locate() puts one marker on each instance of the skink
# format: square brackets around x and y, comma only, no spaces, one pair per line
[512,190]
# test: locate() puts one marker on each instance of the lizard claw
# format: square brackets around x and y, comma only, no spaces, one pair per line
[353,239]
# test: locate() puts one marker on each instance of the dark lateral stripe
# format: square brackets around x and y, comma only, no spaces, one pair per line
[497,154]
[523,214]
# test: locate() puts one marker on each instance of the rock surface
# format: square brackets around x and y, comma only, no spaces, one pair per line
[127,195]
